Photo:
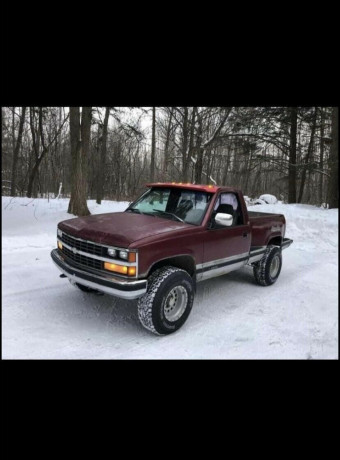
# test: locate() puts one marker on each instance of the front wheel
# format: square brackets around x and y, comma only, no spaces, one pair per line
[268,269]
[168,301]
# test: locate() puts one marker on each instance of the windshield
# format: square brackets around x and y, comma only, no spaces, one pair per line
[173,203]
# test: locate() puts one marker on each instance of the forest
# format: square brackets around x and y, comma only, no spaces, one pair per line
[112,152]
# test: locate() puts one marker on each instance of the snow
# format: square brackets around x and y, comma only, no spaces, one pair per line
[258,201]
[44,317]
[269,199]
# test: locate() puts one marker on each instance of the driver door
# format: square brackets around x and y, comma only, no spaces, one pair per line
[224,248]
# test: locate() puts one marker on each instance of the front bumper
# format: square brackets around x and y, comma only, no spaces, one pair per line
[126,289]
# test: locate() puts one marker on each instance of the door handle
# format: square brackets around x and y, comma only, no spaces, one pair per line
[245,235]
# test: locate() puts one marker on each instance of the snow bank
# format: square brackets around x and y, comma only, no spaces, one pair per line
[269,199]
[43,316]
[257,201]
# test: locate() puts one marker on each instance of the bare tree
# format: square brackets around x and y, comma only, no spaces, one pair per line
[286,151]
[333,185]
[308,156]
[101,163]
[322,132]
[80,132]
[201,148]
[153,145]
[167,143]
[292,157]
[16,149]
[40,147]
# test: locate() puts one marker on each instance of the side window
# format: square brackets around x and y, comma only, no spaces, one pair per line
[228,203]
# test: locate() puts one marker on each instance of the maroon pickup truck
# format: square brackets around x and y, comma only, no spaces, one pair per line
[166,241]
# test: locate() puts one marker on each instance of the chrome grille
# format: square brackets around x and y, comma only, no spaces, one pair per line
[83,260]
[82,245]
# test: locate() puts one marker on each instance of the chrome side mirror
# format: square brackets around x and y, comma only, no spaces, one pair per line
[224,219]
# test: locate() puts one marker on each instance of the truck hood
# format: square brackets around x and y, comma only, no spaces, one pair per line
[119,228]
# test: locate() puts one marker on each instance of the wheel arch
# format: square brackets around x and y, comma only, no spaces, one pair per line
[275,241]
[185,262]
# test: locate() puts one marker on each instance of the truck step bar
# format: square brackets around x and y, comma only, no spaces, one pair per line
[286,243]
[256,252]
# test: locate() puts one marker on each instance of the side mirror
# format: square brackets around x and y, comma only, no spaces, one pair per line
[224,219]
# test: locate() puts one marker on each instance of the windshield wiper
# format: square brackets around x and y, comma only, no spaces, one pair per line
[134,210]
[169,214]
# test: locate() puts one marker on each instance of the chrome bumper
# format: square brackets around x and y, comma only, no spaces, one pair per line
[126,289]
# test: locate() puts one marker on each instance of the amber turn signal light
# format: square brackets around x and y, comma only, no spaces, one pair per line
[116,268]
[132,257]
[60,246]
[132,271]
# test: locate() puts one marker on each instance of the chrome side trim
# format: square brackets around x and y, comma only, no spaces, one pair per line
[222,270]
[256,254]
[255,258]
[258,250]
[221,266]
[221,261]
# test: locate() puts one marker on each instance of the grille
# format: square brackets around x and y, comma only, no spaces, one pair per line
[82,245]
[83,260]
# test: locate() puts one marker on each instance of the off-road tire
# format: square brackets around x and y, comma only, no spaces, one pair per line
[262,268]
[151,305]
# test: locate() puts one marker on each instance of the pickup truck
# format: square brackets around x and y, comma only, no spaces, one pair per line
[172,237]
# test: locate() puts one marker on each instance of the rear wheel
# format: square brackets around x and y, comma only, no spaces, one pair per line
[268,269]
[168,301]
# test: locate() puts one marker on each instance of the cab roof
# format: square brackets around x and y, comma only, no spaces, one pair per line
[194,187]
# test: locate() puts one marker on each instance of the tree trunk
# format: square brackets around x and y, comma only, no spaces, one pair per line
[38,141]
[333,184]
[101,165]
[199,152]
[153,146]
[308,157]
[226,168]
[191,140]
[247,172]
[292,157]
[80,140]
[31,189]
[167,142]
[16,152]
[321,156]
[32,176]
[185,139]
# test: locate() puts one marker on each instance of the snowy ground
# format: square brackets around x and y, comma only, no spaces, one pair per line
[44,317]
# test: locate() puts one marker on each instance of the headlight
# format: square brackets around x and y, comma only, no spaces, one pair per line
[123,255]
[60,233]
[112,252]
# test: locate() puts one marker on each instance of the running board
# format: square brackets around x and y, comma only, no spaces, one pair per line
[286,243]
[256,252]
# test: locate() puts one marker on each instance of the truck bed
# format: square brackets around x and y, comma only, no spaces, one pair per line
[254,214]
[265,225]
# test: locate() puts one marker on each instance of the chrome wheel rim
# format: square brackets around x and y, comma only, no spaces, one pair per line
[274,266]
[175,303]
